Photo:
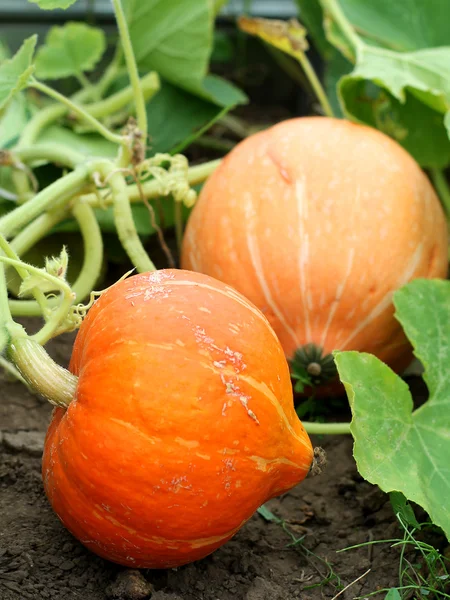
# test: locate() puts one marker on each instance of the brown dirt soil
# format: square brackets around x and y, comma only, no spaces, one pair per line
[40,559]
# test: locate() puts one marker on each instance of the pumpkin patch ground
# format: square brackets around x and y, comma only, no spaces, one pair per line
[40,559]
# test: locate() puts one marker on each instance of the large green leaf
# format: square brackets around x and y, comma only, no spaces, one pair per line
[402,25]
[51,4]
[15,72]
[176,40]
[174,114]
[311,16]
[395,447]
[382,38]
[70,50]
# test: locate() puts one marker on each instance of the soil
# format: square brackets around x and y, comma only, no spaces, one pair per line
[40,559]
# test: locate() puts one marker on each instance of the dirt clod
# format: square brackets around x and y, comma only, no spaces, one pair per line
[130,585]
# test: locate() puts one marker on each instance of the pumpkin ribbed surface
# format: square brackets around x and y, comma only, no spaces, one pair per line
[182,424]
[317,221]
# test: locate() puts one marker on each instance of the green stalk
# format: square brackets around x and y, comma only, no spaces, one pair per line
[26,239]
[132,67]
[59,313]
[41,372]
[23,274]
[93,251]
[40,121]
[326,428]
[6,319]
[78,110]
[92,261]
[151,189]
[57,193]
[442,188]
[178,217]
[55,153]
[123,219]
[315,84]
[111,71]
[114,103]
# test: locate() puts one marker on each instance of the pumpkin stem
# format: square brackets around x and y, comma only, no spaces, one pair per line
[41,372]
[310,367]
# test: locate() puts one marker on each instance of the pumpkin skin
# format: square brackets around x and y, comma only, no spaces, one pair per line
[181,426]
[317,221]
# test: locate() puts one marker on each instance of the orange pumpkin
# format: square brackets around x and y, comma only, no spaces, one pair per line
[181,426]
[317,221]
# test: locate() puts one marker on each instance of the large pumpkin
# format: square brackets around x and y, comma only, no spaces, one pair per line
[317,221]
[181,426]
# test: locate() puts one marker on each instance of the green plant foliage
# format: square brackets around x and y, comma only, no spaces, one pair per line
[52,4]
[396,447]
[14,119]
[177,43]
[311,16]
[400,81]
[70,50]
[168,124]
[15,72]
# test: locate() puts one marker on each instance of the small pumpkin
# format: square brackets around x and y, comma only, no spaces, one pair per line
[181,426]
[317,221]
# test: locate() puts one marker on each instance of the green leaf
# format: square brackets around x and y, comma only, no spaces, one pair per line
[52,4]
[268,514]
[393,594]
[409,76]
[403,25]
[14,119]
[336,67]
[70,50]
[397,448]
[173,115]
[177,43]
[403,509]
[16,71]
[311,16]
[417,127]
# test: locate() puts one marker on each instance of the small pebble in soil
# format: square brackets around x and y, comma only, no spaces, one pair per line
[130,585]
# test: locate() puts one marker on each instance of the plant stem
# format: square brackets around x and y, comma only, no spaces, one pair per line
[236,125]
[25,240]
[111,71]
[150,85]
[442,188]
[40,121]
[214,143]
[5,314]
[78,110]
[55,153]
[93,251]
[333,8]
[57,192]
[315,84]
[23,273]
[151,188]
[178,217]
[132,67]
[326,428]
[42,373]
[84,81]
[123,219]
